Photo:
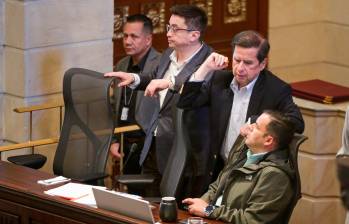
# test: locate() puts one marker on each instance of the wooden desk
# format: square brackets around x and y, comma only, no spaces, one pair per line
[22,201]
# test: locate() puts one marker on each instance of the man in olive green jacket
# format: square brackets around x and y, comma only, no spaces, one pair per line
[255,186]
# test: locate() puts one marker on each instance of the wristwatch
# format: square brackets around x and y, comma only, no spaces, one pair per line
[209,209]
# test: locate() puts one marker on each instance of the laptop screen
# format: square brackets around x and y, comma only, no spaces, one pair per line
[123,204]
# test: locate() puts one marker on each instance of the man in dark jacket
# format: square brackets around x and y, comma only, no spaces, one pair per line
[141,57]
[255,185]
[236,96]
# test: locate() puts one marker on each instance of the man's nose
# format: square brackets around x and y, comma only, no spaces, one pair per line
[127,40]
[241,65]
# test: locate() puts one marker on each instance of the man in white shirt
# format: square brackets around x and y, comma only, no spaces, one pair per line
[185,54]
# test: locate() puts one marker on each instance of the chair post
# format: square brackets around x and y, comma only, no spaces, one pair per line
[60,118]
[121,152]
[31,130]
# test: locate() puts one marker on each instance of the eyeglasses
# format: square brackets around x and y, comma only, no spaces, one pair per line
[176,29]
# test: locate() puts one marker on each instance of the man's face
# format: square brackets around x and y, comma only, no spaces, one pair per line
[178,35]
[257,138]
[245,65]
[136,42]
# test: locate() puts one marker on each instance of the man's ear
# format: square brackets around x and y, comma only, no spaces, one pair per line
[263,64]
[195,35]
[149,39]
[269,141]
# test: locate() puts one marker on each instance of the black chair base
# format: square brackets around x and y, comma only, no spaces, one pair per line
[34,161]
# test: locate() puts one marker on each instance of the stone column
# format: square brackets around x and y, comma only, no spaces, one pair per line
[1,69]
[44,38]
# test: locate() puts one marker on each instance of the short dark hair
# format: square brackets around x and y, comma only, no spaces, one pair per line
[147,23]
[249,39]
[195,17]
[281,128]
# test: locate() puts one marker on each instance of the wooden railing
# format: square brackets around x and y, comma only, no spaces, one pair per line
[48,141]
[32,144]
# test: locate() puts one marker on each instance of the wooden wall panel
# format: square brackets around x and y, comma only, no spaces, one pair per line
[226,18]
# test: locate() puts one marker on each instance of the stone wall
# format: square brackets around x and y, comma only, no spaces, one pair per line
[309,39]
[42,39]
[1,69]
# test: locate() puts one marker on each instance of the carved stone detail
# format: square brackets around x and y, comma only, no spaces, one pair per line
[235,11]
[205,5]
[156,12]
[119,18]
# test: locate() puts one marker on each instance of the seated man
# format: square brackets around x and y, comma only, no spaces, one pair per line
[255,184]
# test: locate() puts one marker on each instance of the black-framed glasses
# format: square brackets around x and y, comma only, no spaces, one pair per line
[175,29]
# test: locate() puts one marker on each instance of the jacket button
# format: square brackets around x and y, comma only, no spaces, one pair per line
[211,173]
[215,156]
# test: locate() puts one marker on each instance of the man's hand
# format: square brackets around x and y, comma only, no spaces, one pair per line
[124,77]
[245,129]
[155,86]
[114,151]
[212,63]
[196,206]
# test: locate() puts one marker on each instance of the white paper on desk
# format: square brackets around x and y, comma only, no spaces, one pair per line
[71,191]
[55,180]
[87,200]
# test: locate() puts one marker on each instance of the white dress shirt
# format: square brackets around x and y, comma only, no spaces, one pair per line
[237,115]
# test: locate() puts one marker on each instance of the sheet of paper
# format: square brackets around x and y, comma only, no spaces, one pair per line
[55,180]
[71,191]
[87,200]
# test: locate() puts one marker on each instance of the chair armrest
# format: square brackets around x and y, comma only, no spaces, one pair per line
[90,178]
[130,179]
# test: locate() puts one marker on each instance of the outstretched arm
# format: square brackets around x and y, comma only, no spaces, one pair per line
[124,77]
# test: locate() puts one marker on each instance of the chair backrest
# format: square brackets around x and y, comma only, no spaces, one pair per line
[174,171]
[297,140]
[88,125]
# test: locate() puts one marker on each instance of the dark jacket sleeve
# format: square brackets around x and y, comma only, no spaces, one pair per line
[290,109]
[194,95]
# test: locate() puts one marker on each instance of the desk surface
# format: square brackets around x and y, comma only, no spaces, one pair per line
[21,198]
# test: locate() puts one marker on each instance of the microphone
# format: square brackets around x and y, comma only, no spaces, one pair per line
[133,149]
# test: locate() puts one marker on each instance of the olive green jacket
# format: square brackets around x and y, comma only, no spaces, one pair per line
[256,193]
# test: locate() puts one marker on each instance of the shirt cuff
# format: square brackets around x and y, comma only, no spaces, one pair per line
[172,81]
[136,81]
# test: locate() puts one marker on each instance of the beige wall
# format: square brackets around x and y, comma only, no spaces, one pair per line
[1,67]
[309,39]
[40,40]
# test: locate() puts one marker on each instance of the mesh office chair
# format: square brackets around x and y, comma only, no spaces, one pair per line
[34,160]
[172,178]
[297,140]
[87,129]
